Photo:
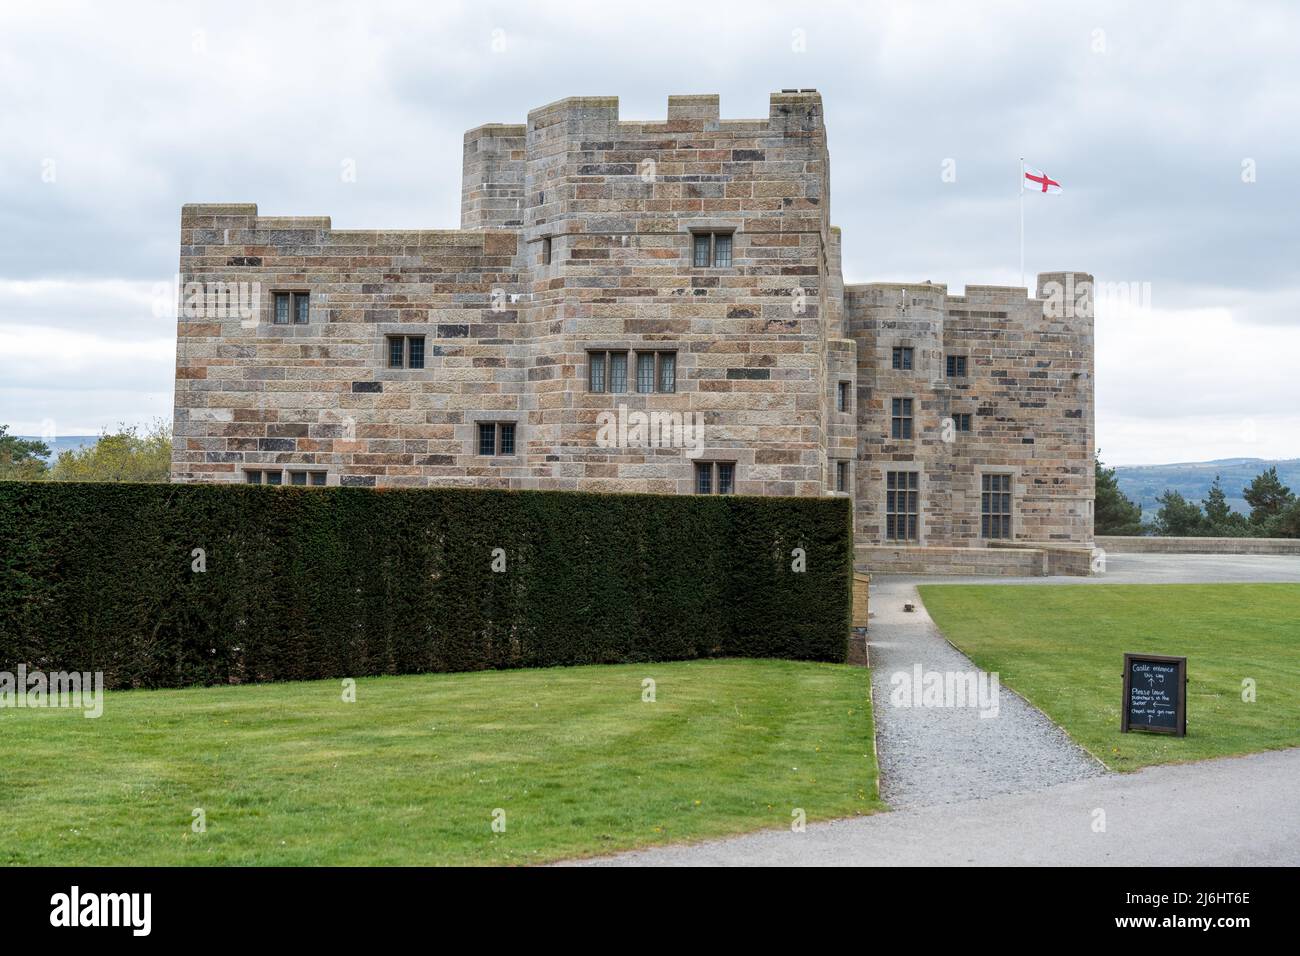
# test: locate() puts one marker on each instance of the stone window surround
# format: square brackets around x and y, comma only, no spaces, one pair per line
[468,435]
[1017,491]
[604,345]
[848,396]
[902,343]
[386,330]
[848,482]
[922,493]
[266,307]
[956,353]
[712,227]
[914,418]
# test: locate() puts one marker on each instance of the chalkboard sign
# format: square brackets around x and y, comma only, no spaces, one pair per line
[1155,694]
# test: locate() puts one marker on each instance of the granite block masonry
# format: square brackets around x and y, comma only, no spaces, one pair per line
[613,283]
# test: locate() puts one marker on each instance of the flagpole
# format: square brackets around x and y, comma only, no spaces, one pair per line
[1020,186]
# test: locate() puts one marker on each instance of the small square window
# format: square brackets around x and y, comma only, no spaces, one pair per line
[318,478]
[711,249]
[406,351]
[297,477]
[715,477]
[273,477]
[253,477]
[902,357]
[956,366]
[961,421]
[291,308]
[496,438]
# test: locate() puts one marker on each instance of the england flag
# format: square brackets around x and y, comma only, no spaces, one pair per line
[1037,181]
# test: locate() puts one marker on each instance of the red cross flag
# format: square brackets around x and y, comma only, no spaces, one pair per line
[1037,181]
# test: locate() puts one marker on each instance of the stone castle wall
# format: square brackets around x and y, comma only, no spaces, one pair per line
[762,344]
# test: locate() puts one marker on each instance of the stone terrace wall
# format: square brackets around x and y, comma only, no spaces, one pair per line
[1125,544]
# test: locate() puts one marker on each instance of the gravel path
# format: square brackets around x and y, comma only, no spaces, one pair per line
[932,755]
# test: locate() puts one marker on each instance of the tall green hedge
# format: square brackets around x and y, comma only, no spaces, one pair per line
[312,583]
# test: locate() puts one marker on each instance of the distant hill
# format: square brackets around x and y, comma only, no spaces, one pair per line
[64,443]
[1144,483]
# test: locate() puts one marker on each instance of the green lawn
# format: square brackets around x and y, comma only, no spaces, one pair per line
[412,771]
[1062,647]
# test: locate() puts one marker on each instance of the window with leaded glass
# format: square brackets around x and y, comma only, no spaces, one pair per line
[956,366]
[902,490]
[995,506]
[901,418]
[291,308]
[618,371]
[902,357]
[715,477]
[496,438]
[406,351]
[655,371]
[645,371]
[711,250]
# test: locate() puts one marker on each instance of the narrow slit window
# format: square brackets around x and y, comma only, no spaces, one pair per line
[844,399]
[842,476]
[546,251]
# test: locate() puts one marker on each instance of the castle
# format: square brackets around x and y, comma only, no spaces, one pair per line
[641,307]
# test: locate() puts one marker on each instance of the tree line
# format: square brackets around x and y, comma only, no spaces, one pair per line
[128,454]
[1274,510]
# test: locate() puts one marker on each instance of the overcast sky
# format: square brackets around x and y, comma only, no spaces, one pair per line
[1174,128]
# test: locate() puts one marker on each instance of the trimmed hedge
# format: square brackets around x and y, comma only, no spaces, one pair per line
[332,582]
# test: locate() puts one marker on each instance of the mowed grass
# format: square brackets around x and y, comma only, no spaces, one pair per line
[412,772]
[1062,648]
